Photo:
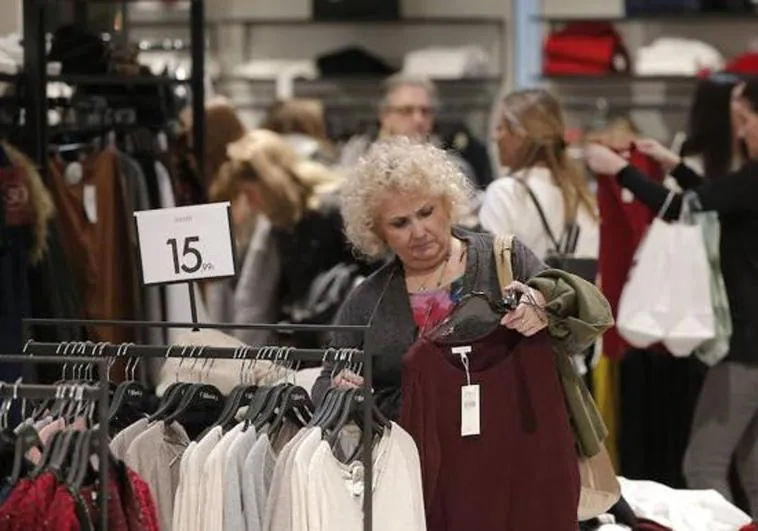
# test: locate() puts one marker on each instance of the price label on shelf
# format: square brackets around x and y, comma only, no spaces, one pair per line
[185,243]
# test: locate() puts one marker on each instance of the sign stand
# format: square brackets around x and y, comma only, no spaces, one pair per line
[184,245]
[193,304]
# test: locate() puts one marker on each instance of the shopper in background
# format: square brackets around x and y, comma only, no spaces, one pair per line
[713,146]
[408,107]
[301,124]
[726,418]
[540,179]
[299,265]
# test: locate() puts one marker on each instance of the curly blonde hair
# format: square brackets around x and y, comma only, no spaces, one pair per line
[393,166]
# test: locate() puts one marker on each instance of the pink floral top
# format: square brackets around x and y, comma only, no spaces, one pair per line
[430,307]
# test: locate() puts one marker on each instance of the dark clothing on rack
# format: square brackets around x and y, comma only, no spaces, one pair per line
[93,225]
[733,197]
[382,300]
[520,471]
[659,395]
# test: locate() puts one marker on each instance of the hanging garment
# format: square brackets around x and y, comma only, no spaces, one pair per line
[334,490]
[155,454]
[519,470]
[625,221]
[90,206]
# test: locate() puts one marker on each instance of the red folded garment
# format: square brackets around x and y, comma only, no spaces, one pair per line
[584,48]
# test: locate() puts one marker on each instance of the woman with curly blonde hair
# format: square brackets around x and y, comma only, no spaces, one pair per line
[405,199]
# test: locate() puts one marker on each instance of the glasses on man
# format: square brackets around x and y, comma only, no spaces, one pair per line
[409,110]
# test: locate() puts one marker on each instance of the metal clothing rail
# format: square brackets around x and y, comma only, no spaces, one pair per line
[90,392]
[104,351]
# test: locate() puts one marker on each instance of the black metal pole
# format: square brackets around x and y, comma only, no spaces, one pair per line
[35,77]
[40,321]
[193,305]
[81,14]
[197,36]
[270,353]
[368,453]
[103,409]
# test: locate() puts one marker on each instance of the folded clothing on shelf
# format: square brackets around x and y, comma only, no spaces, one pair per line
[672,56]
[448,62]
[585,48]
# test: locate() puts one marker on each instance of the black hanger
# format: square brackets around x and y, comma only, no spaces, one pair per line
[241,396]
[26,439]
[200,407]
[475,316]
[79,457]
[296,405]
[270,408]
[128,401]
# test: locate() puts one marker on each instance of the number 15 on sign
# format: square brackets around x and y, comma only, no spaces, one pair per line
[185,243]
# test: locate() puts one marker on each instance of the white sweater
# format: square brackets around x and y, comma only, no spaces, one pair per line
[334,490]
[508,209]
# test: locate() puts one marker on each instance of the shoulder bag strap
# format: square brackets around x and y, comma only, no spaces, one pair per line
[503,247]
[541,212]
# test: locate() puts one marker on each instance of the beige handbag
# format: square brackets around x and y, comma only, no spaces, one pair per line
[600,486]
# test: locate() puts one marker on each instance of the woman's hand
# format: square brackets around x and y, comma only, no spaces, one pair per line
[529,316]
[662,155]
[604,161]
[347,379]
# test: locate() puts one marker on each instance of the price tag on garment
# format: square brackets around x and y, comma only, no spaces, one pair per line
[185,243]
[470,411]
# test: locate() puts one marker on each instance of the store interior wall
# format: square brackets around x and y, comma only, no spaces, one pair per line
[10,16]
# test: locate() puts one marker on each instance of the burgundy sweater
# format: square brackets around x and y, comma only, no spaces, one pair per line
[520,473]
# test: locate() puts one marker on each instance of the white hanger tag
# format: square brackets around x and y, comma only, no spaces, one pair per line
[470,398]
[90,202]
[470,410]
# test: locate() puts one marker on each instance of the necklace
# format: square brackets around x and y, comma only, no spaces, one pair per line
[422,288]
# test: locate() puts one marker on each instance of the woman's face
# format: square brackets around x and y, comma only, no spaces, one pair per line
[416,227]
[747,126]
[509,144]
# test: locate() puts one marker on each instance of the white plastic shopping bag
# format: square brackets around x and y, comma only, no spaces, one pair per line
[668,295]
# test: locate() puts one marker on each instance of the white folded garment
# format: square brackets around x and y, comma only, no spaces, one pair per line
[670,56]
[448,62]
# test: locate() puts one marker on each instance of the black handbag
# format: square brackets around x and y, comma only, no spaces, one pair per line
[561,255]
[347,10]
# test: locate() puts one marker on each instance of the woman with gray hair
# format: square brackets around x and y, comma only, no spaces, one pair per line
[405,198]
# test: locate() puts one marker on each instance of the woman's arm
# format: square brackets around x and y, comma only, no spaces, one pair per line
[686,177]
[733,193]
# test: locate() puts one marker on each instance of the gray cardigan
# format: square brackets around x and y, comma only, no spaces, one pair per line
[382,301]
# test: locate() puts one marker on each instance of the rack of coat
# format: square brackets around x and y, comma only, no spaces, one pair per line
[84,163]
[50,478]
[262,456]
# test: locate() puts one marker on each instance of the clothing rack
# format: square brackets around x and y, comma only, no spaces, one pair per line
[36,78]
[97,393]
[103,351]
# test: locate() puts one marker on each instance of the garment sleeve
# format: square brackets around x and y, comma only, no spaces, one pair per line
[686,177]
[524,262]
[730,194]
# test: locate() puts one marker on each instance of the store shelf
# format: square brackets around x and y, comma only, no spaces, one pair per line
[448,21]
[685,17]
[621,78]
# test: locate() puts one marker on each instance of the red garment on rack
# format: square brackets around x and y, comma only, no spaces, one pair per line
[623,223]
[521,471]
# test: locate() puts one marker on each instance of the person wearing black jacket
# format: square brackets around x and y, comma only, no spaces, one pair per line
[726,417]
